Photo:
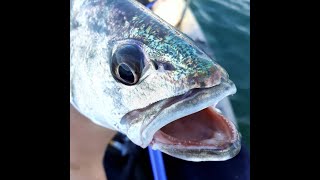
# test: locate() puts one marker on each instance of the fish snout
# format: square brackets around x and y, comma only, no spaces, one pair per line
[208,74]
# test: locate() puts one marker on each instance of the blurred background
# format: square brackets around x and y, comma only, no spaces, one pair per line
[226,25]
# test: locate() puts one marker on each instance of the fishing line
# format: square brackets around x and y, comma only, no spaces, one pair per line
[158,169]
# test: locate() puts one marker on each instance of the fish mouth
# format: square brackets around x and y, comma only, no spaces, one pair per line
[188,126]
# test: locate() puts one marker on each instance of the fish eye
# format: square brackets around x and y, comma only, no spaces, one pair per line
[127,64]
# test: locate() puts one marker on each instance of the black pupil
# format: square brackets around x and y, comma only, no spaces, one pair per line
[127,64]
[125,73]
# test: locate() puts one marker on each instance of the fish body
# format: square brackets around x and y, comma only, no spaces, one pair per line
[132,72]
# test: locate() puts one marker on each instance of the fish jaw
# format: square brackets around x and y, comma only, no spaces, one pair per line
[145,125]
[198,153]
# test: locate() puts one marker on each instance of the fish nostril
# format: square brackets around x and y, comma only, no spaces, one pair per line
[155,65]
[167,66]
[163,65]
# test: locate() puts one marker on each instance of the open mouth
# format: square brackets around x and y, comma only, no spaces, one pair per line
[204,128]
[188,126]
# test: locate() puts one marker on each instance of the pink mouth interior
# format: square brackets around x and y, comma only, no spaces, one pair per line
[204,128]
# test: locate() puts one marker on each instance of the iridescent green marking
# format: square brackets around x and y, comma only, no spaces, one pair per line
[163,40]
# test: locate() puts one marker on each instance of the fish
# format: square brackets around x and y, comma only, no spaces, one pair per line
[132,72]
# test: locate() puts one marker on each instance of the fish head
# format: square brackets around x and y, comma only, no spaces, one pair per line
[134,73]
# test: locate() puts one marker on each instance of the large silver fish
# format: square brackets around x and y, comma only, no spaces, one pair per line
[134,73]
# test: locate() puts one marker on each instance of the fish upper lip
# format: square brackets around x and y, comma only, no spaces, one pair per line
[204,98]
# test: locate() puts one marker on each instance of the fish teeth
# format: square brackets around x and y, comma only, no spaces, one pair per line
[218,110]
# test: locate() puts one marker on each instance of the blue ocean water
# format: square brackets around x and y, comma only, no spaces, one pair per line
[226,24]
